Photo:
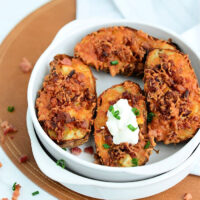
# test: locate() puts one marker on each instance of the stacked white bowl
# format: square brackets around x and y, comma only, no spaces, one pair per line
[163,170]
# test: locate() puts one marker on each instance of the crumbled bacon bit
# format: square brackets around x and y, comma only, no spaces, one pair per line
[66,61]
[108,139]
[1,165]
[25,65]
[89,150]
[16,193]
[187,196]
[4,199]
[76,151]
[7,128]
[23,159]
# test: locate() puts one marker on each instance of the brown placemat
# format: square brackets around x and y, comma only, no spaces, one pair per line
[29,39]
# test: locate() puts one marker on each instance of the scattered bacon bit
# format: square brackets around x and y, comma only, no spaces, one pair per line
[16,193]
[89,150]
[187,196]
[23,159]
[7,128]
[66,61]
[1,165]
[4,199]
[25,65]
[108,139]
[76,151]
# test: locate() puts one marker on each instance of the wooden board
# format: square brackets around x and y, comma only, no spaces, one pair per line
[29,39]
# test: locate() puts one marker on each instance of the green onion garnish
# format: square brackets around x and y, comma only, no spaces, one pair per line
[11,108]
[135,161]
[147,145]
[111,108]
[117,117]
[135,111]
[106,146]
[61,163]
[132,128]
[64,149]
[35,193]
[114,62]
[150,117]
[14,186]
[114,113]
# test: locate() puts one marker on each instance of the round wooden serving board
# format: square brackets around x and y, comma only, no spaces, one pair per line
[29,39]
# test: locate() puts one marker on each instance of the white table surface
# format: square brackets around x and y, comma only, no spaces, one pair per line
[12,12]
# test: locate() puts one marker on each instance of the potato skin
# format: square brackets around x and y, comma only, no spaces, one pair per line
[66,103]
[122,154]
[126,45]
[173,95]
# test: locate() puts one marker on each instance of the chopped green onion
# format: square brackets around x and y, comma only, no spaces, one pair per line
[150,117]
[14,186]
[106,146]
[111,108]
[135,161]
[135,111]
[11,108]
[132,128]
[114,62]
[147,145]
[61,163]
[35,193]
[64,149]
[117,117]
[114,113]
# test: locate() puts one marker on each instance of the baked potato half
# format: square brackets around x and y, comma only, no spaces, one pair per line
[67,101]
[118,50]
[123,154]
[173,96]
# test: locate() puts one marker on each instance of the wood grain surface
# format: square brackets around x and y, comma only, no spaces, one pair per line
[29,39]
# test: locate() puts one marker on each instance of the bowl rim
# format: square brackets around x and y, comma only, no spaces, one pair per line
[107,184]
[31,102]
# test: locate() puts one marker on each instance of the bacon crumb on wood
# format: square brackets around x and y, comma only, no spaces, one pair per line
[89,150]
[76,151]
[187,196]
[16,193]
[7,127]
[25,65]
[23,159]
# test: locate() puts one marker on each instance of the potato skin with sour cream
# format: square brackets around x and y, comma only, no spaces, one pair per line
[67,101]
[173,95]
[121,155]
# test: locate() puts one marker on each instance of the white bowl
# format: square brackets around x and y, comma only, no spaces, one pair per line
[170,156]
[108,190]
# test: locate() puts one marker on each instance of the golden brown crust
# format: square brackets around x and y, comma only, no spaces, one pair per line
[122,154]
[128,46]
[67,101]
[173,95]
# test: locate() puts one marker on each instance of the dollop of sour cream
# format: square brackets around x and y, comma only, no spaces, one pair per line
[119,127]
